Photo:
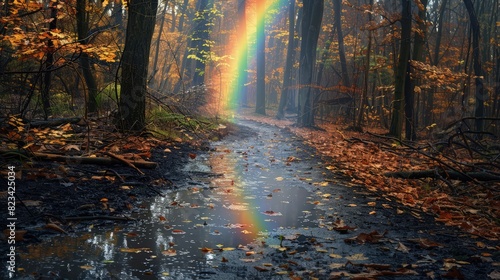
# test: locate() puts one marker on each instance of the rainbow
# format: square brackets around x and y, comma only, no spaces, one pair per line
[239,52]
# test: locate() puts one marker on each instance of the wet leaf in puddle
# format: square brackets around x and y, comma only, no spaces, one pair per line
[272,213]
[132,234]
[248,260]
[133,250]
[279,179]
[169,252]
[236,207]
[335,256]
[336,265]
[55,227]
[372,203]
[162,218]
[357,257]
[206,250]
[352,205]
[401,247]
[228,249]
[224,260]
[246,231]
[178,231]
[326,195]
[425,243]
[86,267]
[261,269]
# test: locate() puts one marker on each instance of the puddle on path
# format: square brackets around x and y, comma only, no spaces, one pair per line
[235,195]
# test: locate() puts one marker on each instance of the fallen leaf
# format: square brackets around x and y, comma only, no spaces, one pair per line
[425,243]
[55,227]
[261,269]
[178,231]
[133,250]
[401,247]
[495,275]
[170,252]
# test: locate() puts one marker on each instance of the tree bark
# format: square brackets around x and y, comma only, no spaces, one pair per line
[311,27]
[478,69]
[338,25]
[243,59]
[260,102]
[135,60]
[157,51]
[401,71]
[290,53]
[49,64]
[201,35]
[82,30]
[418,51]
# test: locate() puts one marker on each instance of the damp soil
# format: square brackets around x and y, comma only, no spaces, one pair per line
[342,231]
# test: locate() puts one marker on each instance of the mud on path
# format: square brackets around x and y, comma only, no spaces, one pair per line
[343,232]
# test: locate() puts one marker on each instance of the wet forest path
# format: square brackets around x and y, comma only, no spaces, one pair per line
[262,205]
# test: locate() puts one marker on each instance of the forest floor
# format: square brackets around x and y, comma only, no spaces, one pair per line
[457,223]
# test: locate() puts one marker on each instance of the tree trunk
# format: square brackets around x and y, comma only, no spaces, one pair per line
[135,60]
[290,53]
[338,25]
[478,70]
[157,51]
[429,102]
[260,102]
[243,57]
[201,35]
[418,55]
[49,64]
[364,94]
[182,16]
[82,30]
[401,70]
[311,27]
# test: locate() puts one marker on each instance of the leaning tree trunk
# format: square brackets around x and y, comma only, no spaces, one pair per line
[311,26]
[135,60]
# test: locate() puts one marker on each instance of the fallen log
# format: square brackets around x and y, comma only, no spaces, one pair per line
[93,160]
[450,174]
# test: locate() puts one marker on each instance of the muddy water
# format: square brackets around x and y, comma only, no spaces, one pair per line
[240,192]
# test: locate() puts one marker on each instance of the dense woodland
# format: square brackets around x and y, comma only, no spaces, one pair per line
[409,66]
